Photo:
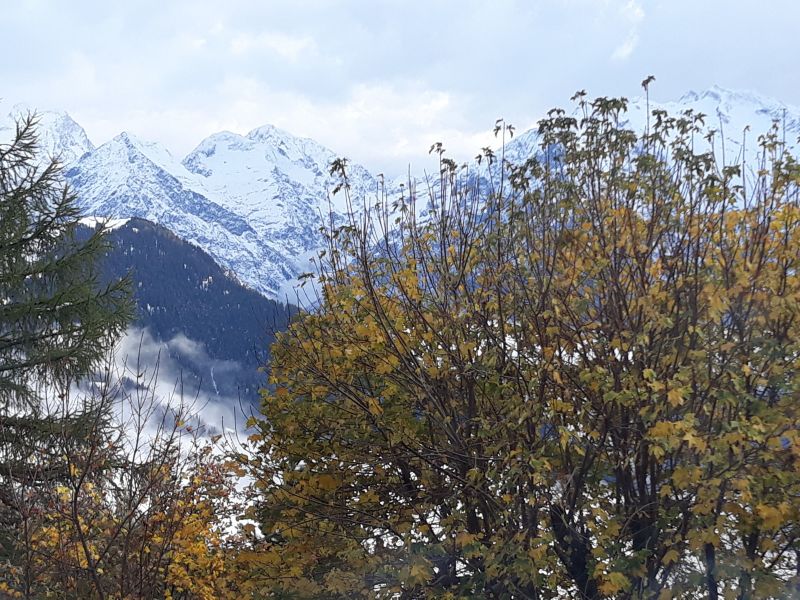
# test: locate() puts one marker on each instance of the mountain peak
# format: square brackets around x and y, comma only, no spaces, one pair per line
[225,136]
[127,139]
[715,93]
[690,96]
[733,99]
[290,146]
[131,140]
[135,148]
[59,134]
[268,132]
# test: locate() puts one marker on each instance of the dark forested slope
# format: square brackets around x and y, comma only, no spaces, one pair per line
[216,330]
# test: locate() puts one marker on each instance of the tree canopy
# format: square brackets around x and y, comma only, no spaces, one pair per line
[575,377]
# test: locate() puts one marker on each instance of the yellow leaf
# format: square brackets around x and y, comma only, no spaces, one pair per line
[326,482]
[375,407]
[613,583]
[463,538]
[675,397]
[670,557]
[419,573]
[662,429]
[538,551]
[717,303]
[694,442]
[382,367]
[771,516]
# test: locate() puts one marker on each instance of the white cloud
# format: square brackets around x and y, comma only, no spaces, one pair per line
[383,125]
[626,48]
[379,81]
[286,46]
[146,362]
[633,13]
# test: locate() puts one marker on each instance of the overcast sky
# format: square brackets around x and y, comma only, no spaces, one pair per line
[378,81]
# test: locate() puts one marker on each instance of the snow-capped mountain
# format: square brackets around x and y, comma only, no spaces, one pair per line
[256,202]
[59,134]
[731,111]
[281,185]
[126,177]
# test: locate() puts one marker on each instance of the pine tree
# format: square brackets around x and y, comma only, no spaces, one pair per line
[55,320]
[56,324]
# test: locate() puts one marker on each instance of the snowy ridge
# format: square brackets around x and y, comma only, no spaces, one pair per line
[253,202]
[104,222]
[729,113]
[726,111]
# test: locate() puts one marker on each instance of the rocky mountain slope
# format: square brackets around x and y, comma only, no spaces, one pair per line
[255,202]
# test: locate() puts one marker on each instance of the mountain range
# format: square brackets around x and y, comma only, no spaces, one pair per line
[256,202]
[253,202]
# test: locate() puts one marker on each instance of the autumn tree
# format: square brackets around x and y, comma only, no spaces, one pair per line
[574,377]
[144,509]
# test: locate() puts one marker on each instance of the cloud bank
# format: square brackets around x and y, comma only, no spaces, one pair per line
[376,81]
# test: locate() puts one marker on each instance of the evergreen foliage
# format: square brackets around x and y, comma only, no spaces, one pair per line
[56,322]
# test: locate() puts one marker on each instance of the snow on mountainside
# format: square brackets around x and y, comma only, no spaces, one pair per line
[732,111]
[59,135]
[255,202]
[726,110]
[278,182]
[126,178]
